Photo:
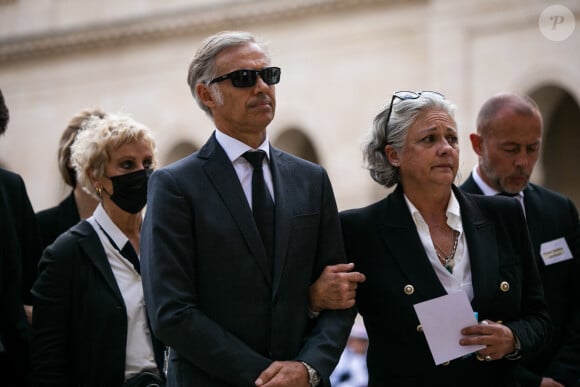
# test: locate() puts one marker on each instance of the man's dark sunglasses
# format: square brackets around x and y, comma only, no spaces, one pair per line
[404,95]
[248,78]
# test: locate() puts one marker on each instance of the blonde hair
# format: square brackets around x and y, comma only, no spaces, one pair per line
[99,137]
[67,139]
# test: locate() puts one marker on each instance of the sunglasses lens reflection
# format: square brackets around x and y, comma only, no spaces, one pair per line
[248,78]
[243,78]
[271,75]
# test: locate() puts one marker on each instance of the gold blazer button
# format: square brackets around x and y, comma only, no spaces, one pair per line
[445,364]
[504,286]
[409,289]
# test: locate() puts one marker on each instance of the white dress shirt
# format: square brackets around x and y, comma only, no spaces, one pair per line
[139,352]
[489,191]
[460,279]
[234,150]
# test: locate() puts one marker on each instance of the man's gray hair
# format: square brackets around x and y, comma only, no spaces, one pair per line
[202,68]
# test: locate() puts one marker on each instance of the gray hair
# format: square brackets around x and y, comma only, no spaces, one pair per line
[202,67]
[404,114]
[98,138]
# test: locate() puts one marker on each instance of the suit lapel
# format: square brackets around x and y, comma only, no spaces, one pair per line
[399,233]
[93,249]
[482,248]
[531,204]
[222,175]
[471,186]
[281,178]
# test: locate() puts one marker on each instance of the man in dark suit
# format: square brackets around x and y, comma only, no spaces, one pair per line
[507,142]
[229,297]
[19,253]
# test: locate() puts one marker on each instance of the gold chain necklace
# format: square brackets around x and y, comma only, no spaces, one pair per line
[448,260]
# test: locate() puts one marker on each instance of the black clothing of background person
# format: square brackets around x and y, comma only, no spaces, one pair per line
[78,204]
[508,141]
[55,220]
[19,254]
[17,240]
[550,215]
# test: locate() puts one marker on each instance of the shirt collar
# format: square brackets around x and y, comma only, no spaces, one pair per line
[485,188]
[453,213]
[109,227]
[234,148]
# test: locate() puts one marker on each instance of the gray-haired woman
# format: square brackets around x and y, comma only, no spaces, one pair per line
[427,239]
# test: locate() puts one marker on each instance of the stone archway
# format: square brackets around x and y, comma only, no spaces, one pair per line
[295,141]
[560,156]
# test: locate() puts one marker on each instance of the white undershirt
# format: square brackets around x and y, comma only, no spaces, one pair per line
[234,150]
[139,352]
[489,191]
[460,280]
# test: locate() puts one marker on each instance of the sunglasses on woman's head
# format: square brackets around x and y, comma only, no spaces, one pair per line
[248,78]
[404,95]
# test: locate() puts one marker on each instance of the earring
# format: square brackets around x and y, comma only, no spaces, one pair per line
[99,191]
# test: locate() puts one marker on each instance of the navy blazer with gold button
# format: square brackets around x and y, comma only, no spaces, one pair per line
[383,242]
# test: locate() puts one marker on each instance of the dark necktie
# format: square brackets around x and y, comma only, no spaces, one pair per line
[262,203]
[128,252]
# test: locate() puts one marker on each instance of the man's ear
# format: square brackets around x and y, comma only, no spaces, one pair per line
[476,143]
[205,95]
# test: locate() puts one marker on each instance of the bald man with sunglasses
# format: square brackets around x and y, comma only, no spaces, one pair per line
[235,235]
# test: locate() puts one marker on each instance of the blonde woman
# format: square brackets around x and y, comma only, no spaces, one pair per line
[90,327]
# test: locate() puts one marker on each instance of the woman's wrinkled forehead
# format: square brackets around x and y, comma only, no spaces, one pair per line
[433,118]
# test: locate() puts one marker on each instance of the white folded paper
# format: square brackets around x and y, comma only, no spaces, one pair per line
[442,320]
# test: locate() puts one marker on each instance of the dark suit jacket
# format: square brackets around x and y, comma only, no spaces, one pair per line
[19,253]
[80,322]
[20,216]
[208,287]
[383,242]
[55,220]
[550,216]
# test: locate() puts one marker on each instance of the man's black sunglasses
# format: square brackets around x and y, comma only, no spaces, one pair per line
[248,78]
[404,95]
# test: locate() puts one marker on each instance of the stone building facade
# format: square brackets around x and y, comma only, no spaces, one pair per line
[341,61]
